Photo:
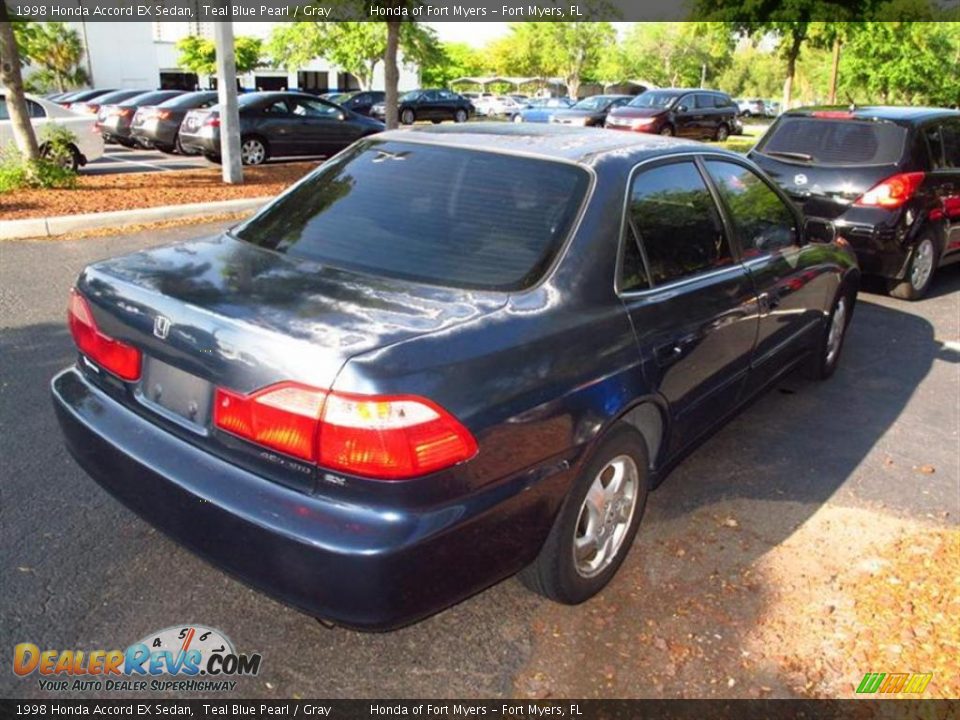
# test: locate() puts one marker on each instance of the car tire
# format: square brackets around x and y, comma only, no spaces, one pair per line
[167,149]
[920,271]
[253,151]
[600,525]
[436,122]
[213,158]
[69,161]
[460,116]
[667,131]
[408,117]
[517,118]
[722,133]
[826,354]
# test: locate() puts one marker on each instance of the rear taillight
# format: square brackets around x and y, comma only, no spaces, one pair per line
[212,121]
[382,437]
[833,114]
[125,112]
[112,355]
[892,192]
[162,114]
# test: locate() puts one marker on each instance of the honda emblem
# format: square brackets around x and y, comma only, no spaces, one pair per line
[161,326]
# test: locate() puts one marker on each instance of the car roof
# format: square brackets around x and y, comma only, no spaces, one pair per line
[893,113]
[556,142]
[682,91]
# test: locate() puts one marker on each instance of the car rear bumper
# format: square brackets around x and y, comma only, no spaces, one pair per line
[879,249]
[359,565]
[206,144]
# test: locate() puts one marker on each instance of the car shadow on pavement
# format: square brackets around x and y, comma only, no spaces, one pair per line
[689,614]
[90,574]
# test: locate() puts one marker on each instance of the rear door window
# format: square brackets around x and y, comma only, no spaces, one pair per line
[677,222]
[950,133]
[437,215]
[764,222]
[829,141]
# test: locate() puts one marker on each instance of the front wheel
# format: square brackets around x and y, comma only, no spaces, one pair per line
[253,151]
[826,356]
[667,131]
[460,116]
[517,118]
[595,528]
[407,117]
[923,261]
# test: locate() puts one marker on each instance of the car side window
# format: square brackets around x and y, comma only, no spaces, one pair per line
[678,225]
[4,113]
[310,108]
[35,109]
[934,145]
[704,102]
[764,221]
[688,102]
[950,134]
[633,270]
[430,96]
[278,107]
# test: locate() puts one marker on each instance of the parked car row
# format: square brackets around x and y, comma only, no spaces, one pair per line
[87,145]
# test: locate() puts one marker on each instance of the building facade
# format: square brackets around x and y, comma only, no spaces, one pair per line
[140,54]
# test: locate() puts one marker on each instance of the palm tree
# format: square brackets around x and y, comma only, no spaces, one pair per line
[57,48]
[12,81]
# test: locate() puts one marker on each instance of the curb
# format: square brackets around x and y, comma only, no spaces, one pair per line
[62,224]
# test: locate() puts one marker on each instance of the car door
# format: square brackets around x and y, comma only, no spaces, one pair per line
[448,104]
[323,127]
[691,302]
[429,106]
[943,141]
[787,273]
[276,122]
[686,117]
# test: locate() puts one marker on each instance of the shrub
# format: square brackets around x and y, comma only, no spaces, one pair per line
[53,169]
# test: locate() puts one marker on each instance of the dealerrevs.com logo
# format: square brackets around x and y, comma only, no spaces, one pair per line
[190,658]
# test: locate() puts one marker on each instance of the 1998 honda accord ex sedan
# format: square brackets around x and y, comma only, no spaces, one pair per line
[446,356]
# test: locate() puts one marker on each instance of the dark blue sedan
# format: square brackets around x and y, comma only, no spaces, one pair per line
[446,356]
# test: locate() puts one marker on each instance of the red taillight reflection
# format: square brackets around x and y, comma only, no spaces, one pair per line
[892,192]
[382,437]
[833,114]
[112,355]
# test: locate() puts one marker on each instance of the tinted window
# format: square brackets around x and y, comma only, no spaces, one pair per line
[314,108]
[653,98]
[34,109]
[151,98]
[277,107]
[836,142]
[4,113]
[934,145]
[705,101]
[191,100]
[950,132]
[117,96]
[633,271]
[764,222]
[678,224]
[443,216]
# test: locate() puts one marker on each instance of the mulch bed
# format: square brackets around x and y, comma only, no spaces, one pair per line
[129,191]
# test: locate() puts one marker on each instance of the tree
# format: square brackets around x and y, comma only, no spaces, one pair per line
[12,81]
[575,49]
[452,61]
[57,49]
[676,54]
[199,55]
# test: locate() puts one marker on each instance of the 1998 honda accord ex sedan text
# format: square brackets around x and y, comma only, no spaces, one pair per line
[445,356]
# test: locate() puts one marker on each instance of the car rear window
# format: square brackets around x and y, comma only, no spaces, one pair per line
[836,142]
[437,215]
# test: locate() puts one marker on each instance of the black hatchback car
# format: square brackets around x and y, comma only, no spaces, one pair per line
[377,397]
[888,177]
[433,105]
[684,113]
[278,124]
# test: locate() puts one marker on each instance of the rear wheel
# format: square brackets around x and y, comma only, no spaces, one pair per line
[923,261]
[517,118]
[166,149]
[826,356]
[723,132]
[66,157]
[213,158]
[460,115]
[408,117]
[593,532]
[253,151]
[666,130]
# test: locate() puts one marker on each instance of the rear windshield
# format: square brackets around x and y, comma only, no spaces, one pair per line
[188,100]
[114,97]
[835,142]
[437,215]
[151,98]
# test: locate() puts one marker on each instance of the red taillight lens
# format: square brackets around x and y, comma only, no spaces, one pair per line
[391,437]
[387,438]
[892,192]
[213,121]
[283,417]
[833,114]
[125,112]
[112,355]
[162,114]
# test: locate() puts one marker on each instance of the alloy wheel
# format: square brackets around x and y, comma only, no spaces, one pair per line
[922,264]
[605,516]
[838,326]
[252,152]
[460,116]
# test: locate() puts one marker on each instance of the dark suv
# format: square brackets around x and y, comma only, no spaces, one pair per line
[684,113]
[889,178]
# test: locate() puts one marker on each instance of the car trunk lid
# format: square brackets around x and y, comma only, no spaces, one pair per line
[224,313]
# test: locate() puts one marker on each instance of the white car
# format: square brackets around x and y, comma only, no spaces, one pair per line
[88,145]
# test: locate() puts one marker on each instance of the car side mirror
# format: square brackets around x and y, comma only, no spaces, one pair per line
[819,230]
[682,108]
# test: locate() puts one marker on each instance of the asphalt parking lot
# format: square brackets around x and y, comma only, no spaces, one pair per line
[117,159]
[832,459]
